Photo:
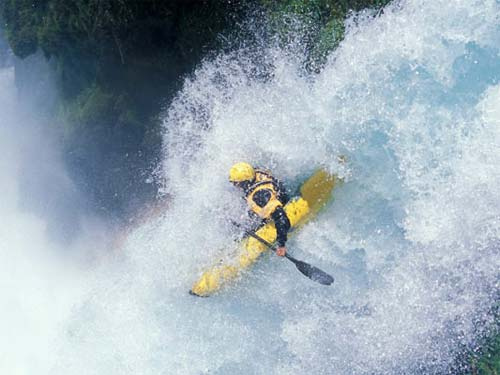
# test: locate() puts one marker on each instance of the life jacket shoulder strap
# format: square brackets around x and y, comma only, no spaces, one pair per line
[264,172]
[252,188]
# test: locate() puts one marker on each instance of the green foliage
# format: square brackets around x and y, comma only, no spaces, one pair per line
[116,62]
[489,362]
[21,19]
[317,25]
[110,145]
[329,37]
[3,49]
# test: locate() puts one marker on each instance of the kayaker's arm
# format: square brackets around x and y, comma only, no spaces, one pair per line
[282,225]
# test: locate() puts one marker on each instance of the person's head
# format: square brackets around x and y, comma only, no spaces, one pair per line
[241,175]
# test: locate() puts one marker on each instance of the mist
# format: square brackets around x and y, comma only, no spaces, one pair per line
[49,239]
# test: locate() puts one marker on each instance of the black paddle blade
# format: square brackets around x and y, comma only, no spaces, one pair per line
[315,274]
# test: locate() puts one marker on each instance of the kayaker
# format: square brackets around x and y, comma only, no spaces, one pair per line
[265,196]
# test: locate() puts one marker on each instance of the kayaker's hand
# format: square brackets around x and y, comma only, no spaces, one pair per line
[281,251]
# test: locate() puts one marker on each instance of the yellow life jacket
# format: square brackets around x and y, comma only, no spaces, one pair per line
[263,181]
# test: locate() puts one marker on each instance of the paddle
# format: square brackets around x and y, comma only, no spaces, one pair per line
[314,273]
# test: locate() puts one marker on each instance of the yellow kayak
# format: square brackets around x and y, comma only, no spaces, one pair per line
[314,194]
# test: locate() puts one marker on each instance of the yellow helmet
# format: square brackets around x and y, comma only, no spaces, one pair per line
[241,172]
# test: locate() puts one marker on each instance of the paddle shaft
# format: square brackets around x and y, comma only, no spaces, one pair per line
[269,245]
[306,269]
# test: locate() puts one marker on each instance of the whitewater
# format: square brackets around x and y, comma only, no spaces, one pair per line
[411,97]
